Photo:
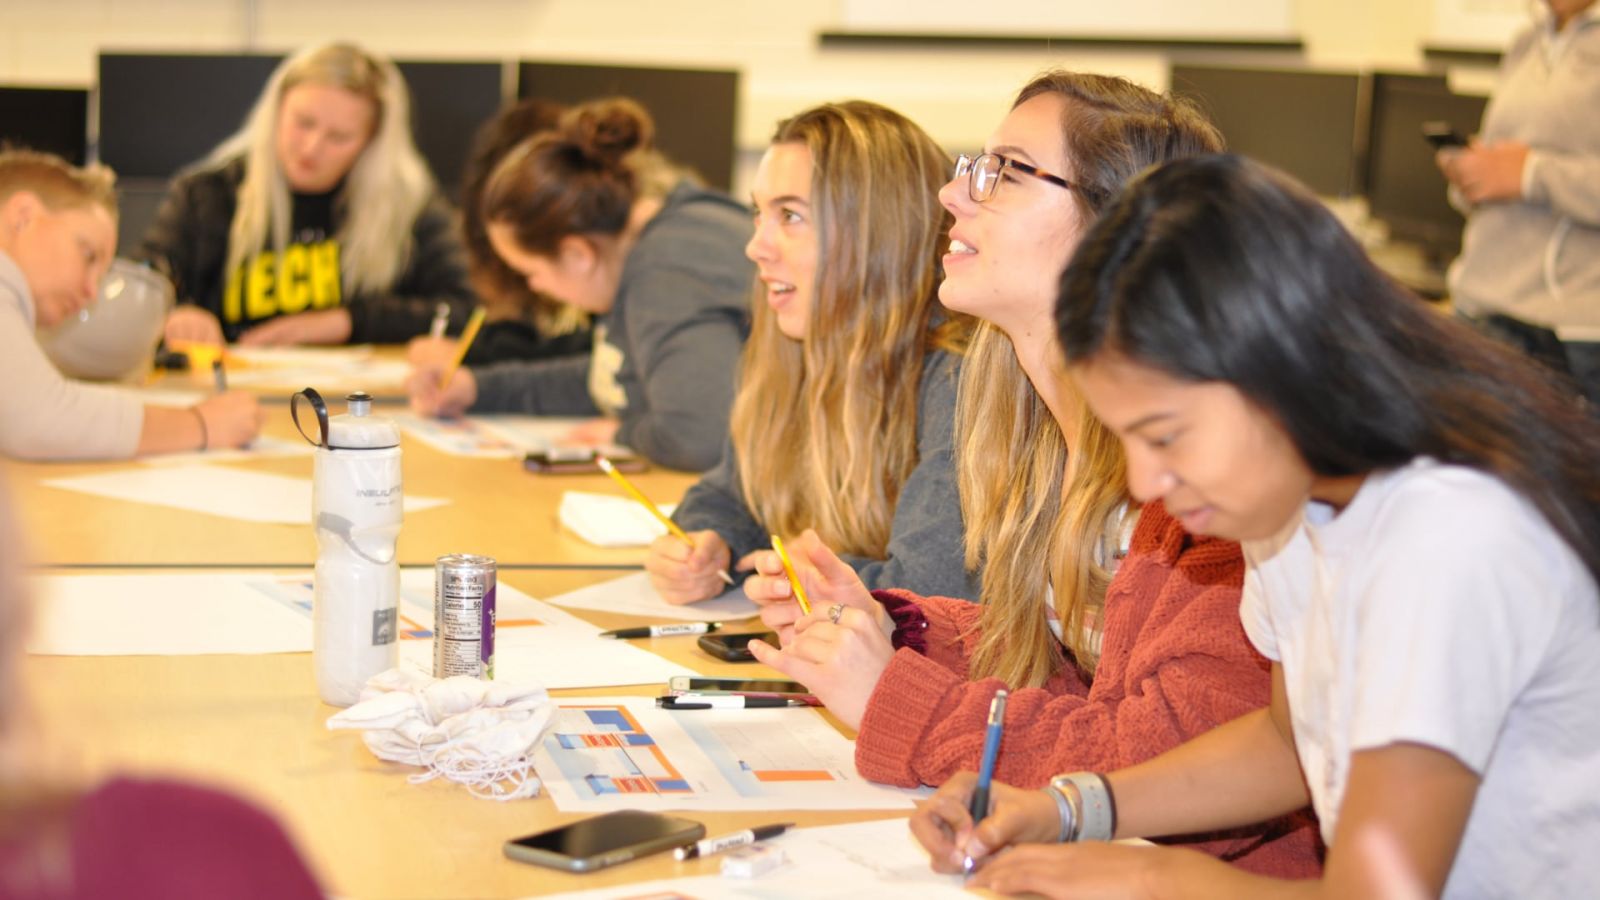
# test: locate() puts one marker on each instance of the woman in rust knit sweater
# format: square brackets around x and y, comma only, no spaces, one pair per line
[1117,633]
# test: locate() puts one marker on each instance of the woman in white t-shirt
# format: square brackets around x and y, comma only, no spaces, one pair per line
[1420,512]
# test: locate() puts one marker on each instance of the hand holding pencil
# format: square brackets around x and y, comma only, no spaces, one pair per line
[449,391]
[675,532]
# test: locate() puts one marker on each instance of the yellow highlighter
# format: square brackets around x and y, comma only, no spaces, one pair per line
[794,580]
[473,324]
[606,466]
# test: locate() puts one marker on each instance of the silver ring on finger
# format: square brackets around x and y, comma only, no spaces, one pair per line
[834,612]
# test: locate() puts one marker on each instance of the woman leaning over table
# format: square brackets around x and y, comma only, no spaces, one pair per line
[591,215]
[126,837]
[318,222]
[842,422]
[1420,509]
[1116,632]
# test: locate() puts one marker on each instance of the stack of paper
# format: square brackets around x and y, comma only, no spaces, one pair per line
[606,520]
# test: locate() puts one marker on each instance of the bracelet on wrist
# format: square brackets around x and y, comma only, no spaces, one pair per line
[205,435]
[1086,800]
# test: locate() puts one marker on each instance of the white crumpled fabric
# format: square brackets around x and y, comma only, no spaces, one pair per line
[478,733]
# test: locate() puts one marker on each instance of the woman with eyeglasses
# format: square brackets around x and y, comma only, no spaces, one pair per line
[843,418]
[1420,509]
[1116,632]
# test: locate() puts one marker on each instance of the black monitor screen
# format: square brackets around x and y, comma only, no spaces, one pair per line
[1405,188]
[50,120]
[1299,121]
[694,109]
[161,112]
[449,101]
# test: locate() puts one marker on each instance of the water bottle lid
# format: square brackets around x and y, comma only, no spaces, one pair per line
[357,429]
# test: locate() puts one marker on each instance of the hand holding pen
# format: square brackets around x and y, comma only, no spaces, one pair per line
[979,809]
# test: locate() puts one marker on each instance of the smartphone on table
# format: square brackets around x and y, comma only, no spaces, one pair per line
[604,840]
[579,461]
[1442,134]
[735,647]
[747,687]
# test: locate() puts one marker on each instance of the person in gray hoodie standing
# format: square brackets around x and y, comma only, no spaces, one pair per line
[1529,270]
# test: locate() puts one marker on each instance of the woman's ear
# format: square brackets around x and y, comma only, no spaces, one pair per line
[577,255]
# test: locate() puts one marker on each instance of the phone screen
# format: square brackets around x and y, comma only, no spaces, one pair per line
[742,686]
[587,843]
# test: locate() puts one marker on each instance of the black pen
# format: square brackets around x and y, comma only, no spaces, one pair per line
[730,841]
[662,630]
[727,701]
[220,374]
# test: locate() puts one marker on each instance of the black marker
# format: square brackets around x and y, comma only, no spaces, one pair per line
[730,841]
[727,701]
[645,631]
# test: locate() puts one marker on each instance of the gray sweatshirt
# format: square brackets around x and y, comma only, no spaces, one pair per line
[925,538]
[666,353]
[1538,258]
[43,414]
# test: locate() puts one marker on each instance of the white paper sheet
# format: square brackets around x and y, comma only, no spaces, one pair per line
[633,595]
[261,448]
[220,491]
[333,368]
[607,520]
[859,861]
[491,437]
[257,612]
[605,753]
[165,614]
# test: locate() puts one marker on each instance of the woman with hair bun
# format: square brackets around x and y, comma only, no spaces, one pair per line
[591,215]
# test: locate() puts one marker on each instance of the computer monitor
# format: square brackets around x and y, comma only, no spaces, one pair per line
[1300,121]
[694,109]
[50,120]
[1405,188]
[160,112]
[449,101]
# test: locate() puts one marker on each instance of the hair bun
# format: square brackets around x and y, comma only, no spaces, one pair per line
[608,130]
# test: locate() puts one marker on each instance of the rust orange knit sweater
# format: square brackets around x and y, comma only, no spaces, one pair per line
[1174,663]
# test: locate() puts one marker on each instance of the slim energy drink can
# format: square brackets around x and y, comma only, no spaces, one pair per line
[463,616]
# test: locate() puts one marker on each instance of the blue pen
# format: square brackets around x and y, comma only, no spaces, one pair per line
[991,749]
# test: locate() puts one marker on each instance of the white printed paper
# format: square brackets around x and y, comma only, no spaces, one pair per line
[633,595]
[498,436]
[606,520]
[606,753]
[173,614]
[220,491]
[859,861]
[325,368]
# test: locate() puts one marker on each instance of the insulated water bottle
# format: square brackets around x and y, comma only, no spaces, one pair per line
[355,510]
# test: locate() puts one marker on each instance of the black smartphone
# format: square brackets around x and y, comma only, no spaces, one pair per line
[1442,134]
[604,840]
[749,687]
[735,647]
[578,461]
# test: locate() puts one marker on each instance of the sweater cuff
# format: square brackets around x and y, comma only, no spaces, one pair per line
[902,707]
[910,622]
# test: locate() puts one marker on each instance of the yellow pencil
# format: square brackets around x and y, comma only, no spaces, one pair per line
[794,580]
[609,469]
[473,324]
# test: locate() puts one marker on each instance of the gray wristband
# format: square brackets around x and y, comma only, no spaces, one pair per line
[1092,807]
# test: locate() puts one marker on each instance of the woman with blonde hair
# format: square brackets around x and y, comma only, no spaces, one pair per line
[318,222]
[1116,632]
[842,422]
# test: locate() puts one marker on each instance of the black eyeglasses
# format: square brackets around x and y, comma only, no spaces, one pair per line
[983,174]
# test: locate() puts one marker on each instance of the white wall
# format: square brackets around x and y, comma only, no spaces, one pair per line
[957,95]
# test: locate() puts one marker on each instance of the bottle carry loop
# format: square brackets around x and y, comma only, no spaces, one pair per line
[319,407]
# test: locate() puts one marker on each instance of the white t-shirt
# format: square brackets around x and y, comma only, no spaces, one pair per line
[1439,608]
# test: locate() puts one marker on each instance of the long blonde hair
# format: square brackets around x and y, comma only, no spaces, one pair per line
[1034,518]
[385,191]
[823,428]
